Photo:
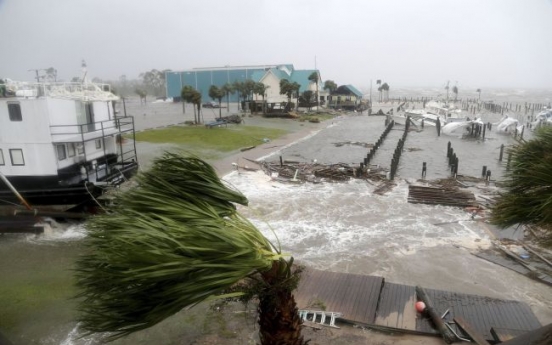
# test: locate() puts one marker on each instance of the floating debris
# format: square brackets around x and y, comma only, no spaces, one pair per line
[317,173]
[354,143]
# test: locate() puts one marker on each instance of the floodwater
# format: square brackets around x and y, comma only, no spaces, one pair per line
[341,227]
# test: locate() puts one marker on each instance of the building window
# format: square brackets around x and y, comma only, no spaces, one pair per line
[61,153]
[14,109]
[2,162]
[98,143]
[71,149]
[16,156]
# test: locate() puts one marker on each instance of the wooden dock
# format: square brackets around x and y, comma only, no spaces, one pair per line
[440,196]
[373,302]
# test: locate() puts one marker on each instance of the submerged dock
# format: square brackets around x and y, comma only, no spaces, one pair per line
[371,301]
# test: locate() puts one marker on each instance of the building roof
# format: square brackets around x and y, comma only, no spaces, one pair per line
[348,89]
[355,91]
[301,77]
[257,76]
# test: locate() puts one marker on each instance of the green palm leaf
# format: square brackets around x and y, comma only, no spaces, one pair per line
[172,242]
[528,196]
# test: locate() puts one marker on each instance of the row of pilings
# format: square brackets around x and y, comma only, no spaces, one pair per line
[473,104]
[453,160]
[399,150]
[376,146]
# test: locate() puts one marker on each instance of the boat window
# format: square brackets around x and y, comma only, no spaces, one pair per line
[2,158]
[61,152]
[16,156]
[98,143]
[14,109]
[71,149]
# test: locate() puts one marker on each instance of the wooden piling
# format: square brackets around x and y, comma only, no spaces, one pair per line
[501,153]
[424,170]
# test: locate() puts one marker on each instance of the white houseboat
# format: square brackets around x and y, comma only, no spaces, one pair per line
[62,143]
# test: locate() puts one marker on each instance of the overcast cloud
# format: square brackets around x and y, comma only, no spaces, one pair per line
[478,43]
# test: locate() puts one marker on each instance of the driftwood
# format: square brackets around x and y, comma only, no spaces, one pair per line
[315,172]
[448,336]
[529,249]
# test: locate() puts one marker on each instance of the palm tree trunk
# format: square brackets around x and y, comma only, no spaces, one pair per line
[279,319]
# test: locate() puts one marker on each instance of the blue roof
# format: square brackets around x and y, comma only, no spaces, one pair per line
[301,77]
[280,74]
[257,76]
[355,91]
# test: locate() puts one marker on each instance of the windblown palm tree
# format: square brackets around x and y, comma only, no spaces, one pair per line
[174,241]
[528,196]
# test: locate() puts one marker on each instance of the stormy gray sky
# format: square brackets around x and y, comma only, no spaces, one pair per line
[477,43]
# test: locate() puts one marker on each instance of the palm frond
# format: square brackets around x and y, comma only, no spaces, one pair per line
[170,243]
[528,196]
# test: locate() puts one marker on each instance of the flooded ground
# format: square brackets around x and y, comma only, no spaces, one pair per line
[341,227]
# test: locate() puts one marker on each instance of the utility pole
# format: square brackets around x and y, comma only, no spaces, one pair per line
[37,76]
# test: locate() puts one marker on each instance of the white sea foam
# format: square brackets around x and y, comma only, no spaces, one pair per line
[339,222]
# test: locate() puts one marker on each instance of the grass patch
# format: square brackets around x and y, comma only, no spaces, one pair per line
[224,139]
[318,116]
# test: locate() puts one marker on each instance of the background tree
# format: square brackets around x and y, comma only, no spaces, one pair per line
[228,89]
[177,240]
[528,184]
[189,94]
[330,86]
[237,86]
[143,94]
[247,91]
[289,89]
[51,74]
[455,92]
[313,77]
[217,93]
[307,98]
[196,100]
[378,82]
[385,88]
[447,87]
[260,89]
[154,81]
[479,92]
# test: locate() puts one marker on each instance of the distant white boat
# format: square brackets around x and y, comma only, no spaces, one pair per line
[508,125]
[543,118]
[460,128]
[434,111]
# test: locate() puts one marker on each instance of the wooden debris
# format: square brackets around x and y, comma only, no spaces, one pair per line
[466,327]
[448,336]
[532,251]
[316,173]
[440,196]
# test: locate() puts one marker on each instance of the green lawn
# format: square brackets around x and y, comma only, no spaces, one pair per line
[223,138]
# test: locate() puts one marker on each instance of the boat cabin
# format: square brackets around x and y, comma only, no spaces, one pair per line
[62,142]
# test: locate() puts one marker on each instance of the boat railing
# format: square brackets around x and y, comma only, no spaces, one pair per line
[68,90]
[93,130]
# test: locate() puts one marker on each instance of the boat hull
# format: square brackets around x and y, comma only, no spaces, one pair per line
[47,190]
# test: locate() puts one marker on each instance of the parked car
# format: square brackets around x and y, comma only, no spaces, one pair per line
[210,105]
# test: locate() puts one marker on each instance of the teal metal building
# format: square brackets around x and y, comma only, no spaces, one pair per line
[201,79]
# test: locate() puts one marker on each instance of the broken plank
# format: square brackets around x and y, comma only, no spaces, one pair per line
[468,329]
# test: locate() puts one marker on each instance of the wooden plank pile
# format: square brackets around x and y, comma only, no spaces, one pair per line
[440,196]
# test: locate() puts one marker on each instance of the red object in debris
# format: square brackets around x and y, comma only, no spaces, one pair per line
[420,306]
